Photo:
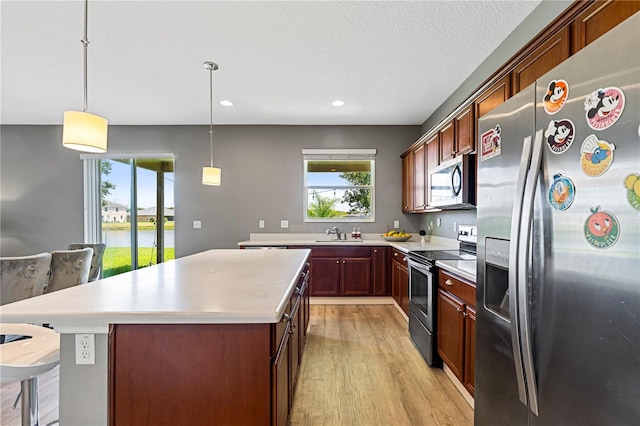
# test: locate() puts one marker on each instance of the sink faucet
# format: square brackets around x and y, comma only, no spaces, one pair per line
[334,230]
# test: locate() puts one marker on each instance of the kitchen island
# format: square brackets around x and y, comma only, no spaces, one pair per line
[211,338]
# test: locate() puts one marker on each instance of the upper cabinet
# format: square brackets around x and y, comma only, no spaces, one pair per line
[495,95]
[447,136]
[407,182]
[544,58]
[465,128]
[420,199]
[598,18]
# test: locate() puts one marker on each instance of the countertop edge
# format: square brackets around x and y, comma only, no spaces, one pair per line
[451,266]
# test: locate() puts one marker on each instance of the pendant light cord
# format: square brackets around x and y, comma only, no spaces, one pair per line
[85,43]
[211,112]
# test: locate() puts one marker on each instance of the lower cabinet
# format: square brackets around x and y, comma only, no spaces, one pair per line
[213,374]
[400,279]
[456,327]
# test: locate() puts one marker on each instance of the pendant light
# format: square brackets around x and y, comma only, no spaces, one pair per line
[211,175]
[83,131]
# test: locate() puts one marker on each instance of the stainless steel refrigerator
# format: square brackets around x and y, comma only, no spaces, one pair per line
[558,288]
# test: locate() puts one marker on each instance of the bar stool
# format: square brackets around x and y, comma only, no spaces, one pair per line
[24,360]
[96,260]
[69,268]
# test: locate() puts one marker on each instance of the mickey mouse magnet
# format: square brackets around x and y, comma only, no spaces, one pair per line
[603,107]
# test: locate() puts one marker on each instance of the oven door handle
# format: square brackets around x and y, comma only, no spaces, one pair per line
[419,266]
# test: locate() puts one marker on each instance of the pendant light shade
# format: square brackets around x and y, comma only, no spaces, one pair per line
[83,131]
[211,175]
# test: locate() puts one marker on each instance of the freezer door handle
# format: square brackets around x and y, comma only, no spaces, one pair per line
[524,253]
[514,246]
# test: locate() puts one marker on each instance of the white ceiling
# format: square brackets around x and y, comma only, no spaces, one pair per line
[281,62]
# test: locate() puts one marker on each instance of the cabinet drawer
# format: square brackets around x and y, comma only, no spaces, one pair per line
[461,288]
[332,251]
[399,257]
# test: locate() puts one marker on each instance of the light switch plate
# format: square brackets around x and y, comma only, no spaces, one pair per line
[284,224]
[396,224]
[261,224]
[197,224]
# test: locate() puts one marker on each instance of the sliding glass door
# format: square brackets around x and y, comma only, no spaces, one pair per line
[137,212]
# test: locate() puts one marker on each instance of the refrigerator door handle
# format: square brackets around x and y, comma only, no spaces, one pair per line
[524,252]
[514,246]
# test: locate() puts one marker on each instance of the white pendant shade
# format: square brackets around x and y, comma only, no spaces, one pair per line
[84,132]
[211,176]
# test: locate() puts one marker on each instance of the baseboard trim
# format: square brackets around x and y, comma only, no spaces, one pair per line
[465,393]
[351,300]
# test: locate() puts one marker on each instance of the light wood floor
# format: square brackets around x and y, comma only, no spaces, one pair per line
[359,368]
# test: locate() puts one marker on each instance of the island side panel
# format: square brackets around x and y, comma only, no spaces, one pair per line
[213,374]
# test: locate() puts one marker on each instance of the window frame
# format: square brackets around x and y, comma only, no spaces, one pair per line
[338,155]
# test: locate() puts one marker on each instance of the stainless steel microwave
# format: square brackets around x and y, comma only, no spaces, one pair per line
[452,183]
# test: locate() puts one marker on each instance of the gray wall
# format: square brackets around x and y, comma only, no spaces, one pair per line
[41,182]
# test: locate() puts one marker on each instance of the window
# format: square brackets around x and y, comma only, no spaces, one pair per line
[339,185]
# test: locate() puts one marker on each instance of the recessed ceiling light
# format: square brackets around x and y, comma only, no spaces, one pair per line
[337,103]
[226,103]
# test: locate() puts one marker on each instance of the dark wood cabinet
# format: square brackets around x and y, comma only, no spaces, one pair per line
[355,276]
[447,141]
[598,18]
[451,331]
[470,349]
[380,281]
[495,95]
[325,276]
[433,160]
[400,280]
[341,271]
[456,327]
[213,374]
[419,178]
[407,182]
[465,131]
[551,53]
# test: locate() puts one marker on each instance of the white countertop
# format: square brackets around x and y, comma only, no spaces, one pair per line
[216,286]
[463,268]
[310,240]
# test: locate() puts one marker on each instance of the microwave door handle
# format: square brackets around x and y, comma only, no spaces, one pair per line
[514,246]
[523,257]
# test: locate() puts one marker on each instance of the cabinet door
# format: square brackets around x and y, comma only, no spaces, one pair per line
[295,344]
[380,279]
[493,96]
[465,131]
[325,276]
[395,282]
[450,335]
[280,374]
[447,141]
[469,348]
[407,183]
[356,276]
[433,160]
[419,178]
[544,58]
[599,18]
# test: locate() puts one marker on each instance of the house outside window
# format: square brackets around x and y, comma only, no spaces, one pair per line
[339,185]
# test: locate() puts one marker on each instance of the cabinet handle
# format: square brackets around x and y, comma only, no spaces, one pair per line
[344,261]
[464,314]
[297,290]
[404,259]
[337,261]
[291,329]
[448,282]
[375,251]
[395,254]
[285,318]
[458,309]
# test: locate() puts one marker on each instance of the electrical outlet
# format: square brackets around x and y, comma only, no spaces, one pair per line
[284,224]
[396,224]
[86,349]
[261,224]
[197,224]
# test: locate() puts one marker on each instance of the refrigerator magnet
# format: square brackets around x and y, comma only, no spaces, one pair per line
[562,192]
[559,135]
[596,156]
[491,143]
[632,183]
[603,107]
[601,228]
[556,96]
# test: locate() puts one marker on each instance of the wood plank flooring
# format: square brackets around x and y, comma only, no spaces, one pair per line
[359,368]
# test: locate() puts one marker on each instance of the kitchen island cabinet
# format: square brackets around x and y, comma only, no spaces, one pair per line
[211,338]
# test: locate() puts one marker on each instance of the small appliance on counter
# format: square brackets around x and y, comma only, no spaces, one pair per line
[423,284]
